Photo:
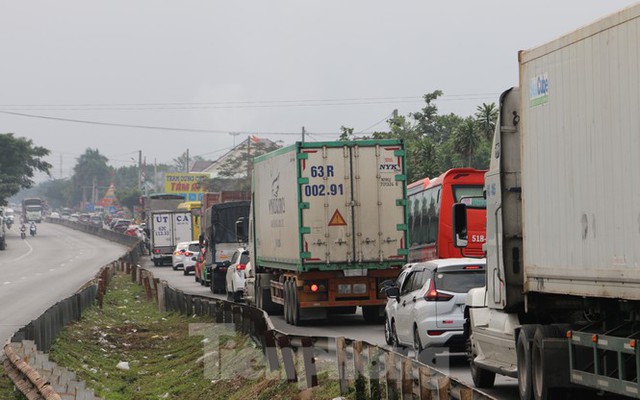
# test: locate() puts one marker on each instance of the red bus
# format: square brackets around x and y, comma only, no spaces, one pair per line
[430,203]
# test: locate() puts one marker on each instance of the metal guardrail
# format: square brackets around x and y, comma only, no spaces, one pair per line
[373,372]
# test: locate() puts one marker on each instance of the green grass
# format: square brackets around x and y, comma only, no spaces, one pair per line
[165,361]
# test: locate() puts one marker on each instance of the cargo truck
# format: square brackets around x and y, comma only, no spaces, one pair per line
[168,228]
[561,309]
[328,224]
[221,240]
[32,209]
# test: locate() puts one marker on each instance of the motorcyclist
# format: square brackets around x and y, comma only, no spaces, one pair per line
[23,229]
[33,228]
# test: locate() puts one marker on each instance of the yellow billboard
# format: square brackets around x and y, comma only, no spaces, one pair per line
[190,185]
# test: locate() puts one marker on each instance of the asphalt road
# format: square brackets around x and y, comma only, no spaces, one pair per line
[349,326]
[37,272]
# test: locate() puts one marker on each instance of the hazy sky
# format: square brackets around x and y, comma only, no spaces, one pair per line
[262,67]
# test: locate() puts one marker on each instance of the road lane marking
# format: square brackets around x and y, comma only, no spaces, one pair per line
[25,254]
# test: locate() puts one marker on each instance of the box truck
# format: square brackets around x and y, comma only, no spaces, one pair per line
[328,224]
[561,309]
[168,228]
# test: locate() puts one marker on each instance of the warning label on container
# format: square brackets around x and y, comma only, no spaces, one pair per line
[337,219]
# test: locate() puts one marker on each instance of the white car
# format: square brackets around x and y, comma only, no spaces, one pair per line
[183,255]
[425,307]
[54,215]
[235,279]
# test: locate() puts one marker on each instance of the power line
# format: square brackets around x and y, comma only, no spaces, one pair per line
[162,128]
[257,103]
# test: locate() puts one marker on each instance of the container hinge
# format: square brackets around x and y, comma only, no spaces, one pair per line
[515,189]
[369,241]
[390,240]
[340,242]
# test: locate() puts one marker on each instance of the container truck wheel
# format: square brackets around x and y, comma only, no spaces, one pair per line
[295,307]
[540,380]
[388,333]
[287,302]
[523,353]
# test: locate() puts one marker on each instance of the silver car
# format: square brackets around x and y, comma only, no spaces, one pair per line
[425,307]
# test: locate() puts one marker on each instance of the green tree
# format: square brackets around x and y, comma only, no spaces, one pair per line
[235,166]
[181,162]
[129,197]
[487,115]
[58,192]
[91,170]
[19,160]
[466,138]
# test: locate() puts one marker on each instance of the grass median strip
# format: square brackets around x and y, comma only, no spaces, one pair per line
[129,350]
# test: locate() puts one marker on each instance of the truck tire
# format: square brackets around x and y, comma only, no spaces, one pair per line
[373,314]
[287,302]
[482,378]
[542,389]
[295,306]
[523,353]
[3,244]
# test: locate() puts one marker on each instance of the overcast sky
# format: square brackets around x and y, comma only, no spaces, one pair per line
[263,67]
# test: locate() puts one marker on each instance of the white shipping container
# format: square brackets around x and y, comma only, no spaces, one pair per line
[161,230]
[580,123]
[327,205]
[183,231]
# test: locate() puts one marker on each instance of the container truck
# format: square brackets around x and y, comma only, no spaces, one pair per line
[328,224]
[168,228]
[561,309]
[221,240]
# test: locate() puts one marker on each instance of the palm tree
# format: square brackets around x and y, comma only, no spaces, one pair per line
[486,116]
[466,138]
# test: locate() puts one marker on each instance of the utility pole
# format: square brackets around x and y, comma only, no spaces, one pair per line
[234,134]
[249,157]
[60,165]
[140,170]
[187,161]
[155,175]
[303,132]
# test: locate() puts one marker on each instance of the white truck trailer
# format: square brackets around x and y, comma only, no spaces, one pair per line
[561,309]
[168,228]
[328,224]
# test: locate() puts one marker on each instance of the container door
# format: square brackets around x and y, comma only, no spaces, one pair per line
[325,193]
[162,230]
[378,208]
[182,227]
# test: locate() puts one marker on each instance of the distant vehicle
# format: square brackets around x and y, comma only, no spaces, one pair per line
[84,218]
[235,279]
[183,255]
[195,208]
[32,229]
[96,220]
[74,218]
[32,209]
[54,215]
[168,228]
[199,269]
[121,225]
[425,308]
[66,215]
[429,203]
[3,243]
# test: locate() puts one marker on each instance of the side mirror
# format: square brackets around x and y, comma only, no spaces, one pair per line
[226,263]
[385,284]
[241,234]
[392,292]
[459,224]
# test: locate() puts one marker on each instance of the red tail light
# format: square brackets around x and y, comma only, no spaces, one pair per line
[314,288]
[157,251]
[241,267]
[188,253]
[434,295]
[435,333]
